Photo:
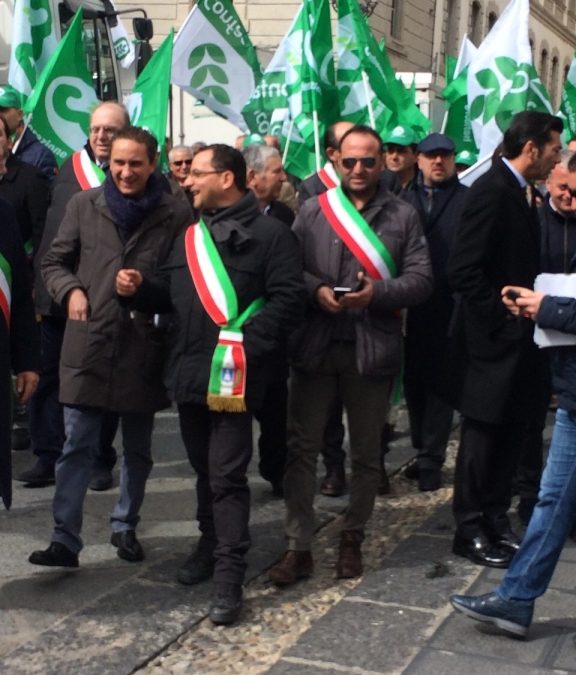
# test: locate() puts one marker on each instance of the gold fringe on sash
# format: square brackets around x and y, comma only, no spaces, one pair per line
[231,404]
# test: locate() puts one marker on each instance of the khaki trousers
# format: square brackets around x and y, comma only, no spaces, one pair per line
[312,398]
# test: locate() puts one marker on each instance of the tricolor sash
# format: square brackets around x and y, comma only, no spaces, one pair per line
[328,176]
[87,173]
[5,288]
[357,235]
[227,384]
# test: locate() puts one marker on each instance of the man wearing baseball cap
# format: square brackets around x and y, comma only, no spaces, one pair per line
[400,155]
[27,148]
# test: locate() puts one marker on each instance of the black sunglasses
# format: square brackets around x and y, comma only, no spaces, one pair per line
[179,162]
[350,162]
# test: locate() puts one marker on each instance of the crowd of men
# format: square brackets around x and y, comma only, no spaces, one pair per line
[232,291]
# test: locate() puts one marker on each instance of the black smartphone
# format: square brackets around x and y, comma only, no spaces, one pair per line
[339,291]
[512,295]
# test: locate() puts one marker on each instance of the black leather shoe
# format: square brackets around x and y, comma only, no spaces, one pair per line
[129,548]
[429,480]
[334,482]
[509,541]
[412,471]
[56,555]
[509,615]
[199,566]
[226,604]
[101,479]
[41,474]
[480,551]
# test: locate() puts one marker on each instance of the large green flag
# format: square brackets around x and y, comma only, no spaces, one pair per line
[214,59]
[33,42]
[310,85]
[58,109]
[358,102]
[457,120]
[568,103]
[148,103]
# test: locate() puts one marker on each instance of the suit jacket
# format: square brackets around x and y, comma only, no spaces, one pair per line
[496,244]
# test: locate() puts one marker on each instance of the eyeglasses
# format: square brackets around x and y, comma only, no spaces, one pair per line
[350,162]
[109,131]
[179,162]
[196,173]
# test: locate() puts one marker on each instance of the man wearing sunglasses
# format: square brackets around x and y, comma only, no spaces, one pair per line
[364,260]
[180,161]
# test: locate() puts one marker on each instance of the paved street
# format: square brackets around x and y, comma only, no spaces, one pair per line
[111,616]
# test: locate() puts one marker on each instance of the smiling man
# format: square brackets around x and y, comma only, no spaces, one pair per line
[364,260]
[111,359]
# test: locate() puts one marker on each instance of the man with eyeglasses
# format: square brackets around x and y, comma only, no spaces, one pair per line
[234,284]
[365,259]
[84,170]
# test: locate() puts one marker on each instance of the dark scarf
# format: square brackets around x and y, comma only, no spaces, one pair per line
[128,213]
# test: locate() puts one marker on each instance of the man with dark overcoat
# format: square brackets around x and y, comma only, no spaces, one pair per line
[497,243]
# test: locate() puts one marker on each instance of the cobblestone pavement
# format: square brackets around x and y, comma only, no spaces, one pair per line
[273,620]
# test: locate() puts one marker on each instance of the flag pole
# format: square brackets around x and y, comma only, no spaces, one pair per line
[368,99]
[287,146]
[316,139]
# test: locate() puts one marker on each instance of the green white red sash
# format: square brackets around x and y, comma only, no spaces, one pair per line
[87,173]
[5,288]
[227,384]
[328,176]
[357,235]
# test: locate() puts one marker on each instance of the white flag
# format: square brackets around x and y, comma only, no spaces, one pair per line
[497,76]
[123,45]
[214,59]
[33,41]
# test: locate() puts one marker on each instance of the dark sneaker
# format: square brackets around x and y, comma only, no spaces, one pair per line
[129,548]
[101,479]
[429,480]
[56,555]
[511,616]
[226,604]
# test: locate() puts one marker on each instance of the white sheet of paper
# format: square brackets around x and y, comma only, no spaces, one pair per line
[561,285]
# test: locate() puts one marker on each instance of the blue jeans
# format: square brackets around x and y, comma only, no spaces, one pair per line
[552,520]
[74,468]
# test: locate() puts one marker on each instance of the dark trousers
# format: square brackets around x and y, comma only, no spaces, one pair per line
[219,447]
[483,479]
[430,422]
[332,452]
[46,411]
[272,418]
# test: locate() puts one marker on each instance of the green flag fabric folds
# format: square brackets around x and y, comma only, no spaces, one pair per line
[58,109]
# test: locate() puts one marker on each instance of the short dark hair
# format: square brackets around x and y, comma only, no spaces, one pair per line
[529,125]
[142,136]
[227,158]
[571,166]
[330,140]
[366,131]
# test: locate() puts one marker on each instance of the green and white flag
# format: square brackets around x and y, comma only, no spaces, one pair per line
[33,43]
[501,78]
[123,45]
[312,96]
[457,120]
[568,103]
[214,59]
[58,109]
[358,102]
[147,105]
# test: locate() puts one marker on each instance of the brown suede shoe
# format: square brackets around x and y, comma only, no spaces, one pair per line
[334,482]
[293,565]
[349,565]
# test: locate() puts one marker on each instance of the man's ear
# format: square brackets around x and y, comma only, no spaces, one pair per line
[250,176]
